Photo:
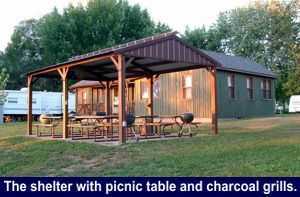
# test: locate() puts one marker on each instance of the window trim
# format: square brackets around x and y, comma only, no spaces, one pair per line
[184,87]
[231,89]
[250,90]
[266,89]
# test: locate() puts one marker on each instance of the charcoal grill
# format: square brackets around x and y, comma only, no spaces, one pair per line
[186,119]
[130,119]
[100,113]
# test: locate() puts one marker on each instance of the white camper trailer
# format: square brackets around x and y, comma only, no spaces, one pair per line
[1,113]
[16,106]
[294,105]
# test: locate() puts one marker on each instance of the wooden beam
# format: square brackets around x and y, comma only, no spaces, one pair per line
[34,80]
[150,101]
[29,112]
[69,65]
[115,59]
[94,74]
[101,82]
[65,108]
[214,100]
[160,63]
[121,98]
[156,77]
[119,62]
[142,67]
[137,70]
[63,72]
[129,61]
[107,98]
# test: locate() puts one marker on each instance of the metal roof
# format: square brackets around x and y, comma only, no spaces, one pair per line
[157,54]
[240,64]
[86,83]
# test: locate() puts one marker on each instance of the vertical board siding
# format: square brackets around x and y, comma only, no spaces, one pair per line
[242,106]
[170,100]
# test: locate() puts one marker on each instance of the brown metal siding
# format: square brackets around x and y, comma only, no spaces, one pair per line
[172,50]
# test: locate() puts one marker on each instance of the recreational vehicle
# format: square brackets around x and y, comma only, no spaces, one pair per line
[294,105]
[15,106]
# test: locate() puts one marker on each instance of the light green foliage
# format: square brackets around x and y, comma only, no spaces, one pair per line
[3,82]
[203,38]
[292,86]
[265,31]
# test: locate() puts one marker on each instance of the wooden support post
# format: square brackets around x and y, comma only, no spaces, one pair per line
[214,101]
[29,113]
[119,62]
[107,98]
[63,73]
[150,103]
[149,130]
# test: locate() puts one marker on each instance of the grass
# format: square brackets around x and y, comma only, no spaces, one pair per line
[253,147]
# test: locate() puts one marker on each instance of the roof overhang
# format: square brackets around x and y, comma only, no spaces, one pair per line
[247,72]
[154,55]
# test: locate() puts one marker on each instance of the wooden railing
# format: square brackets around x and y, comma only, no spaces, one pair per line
[91,109]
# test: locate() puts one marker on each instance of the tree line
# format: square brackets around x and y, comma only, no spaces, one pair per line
[267,32]
[77,30]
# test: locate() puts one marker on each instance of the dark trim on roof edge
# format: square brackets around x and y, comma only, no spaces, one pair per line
[247,72]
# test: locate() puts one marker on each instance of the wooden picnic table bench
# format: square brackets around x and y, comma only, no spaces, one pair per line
[53,123]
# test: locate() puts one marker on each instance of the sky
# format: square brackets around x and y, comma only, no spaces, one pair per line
[178,14]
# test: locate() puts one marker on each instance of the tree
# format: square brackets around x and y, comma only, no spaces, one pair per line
[203,39]
[266,31]
[3,82]
[292,86]
[101,24]
[22,53]
[77,30]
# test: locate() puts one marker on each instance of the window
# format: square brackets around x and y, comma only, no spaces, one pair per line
[250,87]
[34,101]
[266,88]
[12,100]
[231,86]
[144,89]
[187,85]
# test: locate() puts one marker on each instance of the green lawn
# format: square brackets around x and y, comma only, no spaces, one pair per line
[254,147]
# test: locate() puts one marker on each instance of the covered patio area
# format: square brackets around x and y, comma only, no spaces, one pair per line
[145,58]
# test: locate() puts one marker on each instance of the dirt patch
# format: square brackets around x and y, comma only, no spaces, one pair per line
[69,169]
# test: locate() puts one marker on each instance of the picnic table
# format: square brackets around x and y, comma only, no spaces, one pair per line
[156,124]
[53,118]
[94,117]
[94,123]
[53,122]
